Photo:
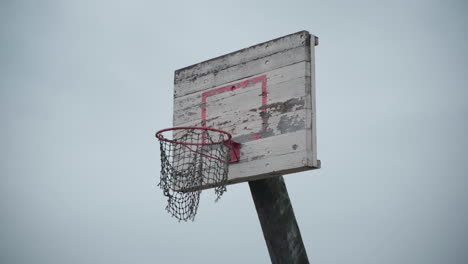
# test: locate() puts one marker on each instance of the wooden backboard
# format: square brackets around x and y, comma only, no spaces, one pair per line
[264,96]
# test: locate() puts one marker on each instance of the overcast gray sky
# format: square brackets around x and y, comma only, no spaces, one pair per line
[85,84]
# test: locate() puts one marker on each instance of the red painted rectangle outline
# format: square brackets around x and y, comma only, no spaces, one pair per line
[232,87]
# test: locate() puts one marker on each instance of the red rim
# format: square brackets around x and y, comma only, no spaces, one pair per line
[160,136]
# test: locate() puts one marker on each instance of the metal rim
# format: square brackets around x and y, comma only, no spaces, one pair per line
[161,137]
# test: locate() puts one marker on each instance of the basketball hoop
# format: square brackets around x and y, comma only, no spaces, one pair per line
[194,157]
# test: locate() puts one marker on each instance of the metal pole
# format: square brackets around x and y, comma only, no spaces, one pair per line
[278,222]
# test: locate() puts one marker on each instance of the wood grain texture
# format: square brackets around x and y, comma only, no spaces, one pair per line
[264,96]
[242,56]
[251,68]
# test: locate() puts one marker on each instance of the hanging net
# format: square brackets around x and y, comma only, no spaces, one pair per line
[194,158]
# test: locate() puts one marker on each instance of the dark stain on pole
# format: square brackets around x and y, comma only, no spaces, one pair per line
[278,222]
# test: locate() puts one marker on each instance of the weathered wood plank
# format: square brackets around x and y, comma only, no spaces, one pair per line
[274,77]
[264,148]
[283,98]
[244,128]
[311,138]
[251,68]
[269,147]
[244,55]
[282,83]
[276,165]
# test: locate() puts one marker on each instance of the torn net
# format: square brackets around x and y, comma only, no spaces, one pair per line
[193,158]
